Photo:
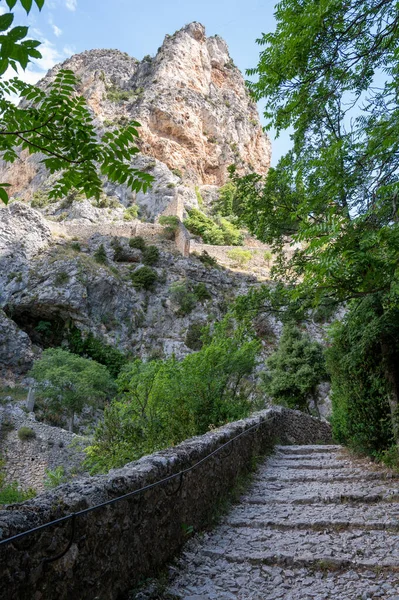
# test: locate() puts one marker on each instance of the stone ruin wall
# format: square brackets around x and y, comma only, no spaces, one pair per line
[113,548]
[27,460]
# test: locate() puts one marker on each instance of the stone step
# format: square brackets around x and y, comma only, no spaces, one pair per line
[225,580]
[303,450]
[278,464]
[306,492]
[291,475]
[305,548]
[317,516]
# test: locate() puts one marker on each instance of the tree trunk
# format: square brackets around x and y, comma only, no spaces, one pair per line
[71,422]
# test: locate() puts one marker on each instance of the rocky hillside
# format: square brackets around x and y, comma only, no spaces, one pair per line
[196,118]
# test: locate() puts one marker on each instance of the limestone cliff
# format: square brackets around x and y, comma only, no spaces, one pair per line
[196,117]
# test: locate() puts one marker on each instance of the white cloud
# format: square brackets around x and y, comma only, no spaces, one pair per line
[68,50]
[2,10]
[71,4]
[57,31]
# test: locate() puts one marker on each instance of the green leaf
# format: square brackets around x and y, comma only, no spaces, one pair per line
[27,4]
[18,33]
[11,3]
[3,195]
[6,22]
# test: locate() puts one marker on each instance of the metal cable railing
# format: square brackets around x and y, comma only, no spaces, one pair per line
[73,516]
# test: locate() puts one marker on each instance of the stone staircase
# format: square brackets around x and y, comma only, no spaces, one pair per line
[315,524]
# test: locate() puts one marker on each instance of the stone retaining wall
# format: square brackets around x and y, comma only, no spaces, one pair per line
[117,546]
[27,460]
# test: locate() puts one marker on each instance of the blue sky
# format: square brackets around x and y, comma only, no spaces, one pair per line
[139,27]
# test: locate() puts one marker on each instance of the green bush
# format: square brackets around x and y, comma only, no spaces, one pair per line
[40,199]
[144,278]
[361,416]
[137,242]
[96,349]
[295,370]
[11,494]
[55,478]
[151,255]
[194,336]
[201,292]
[68,382]
[239,256]
[219,233]
[61,278]
[160,403]
[170,224]
[100,255]
[131,213]
[181,294]
[267,257]
[206,259]
[26,433]
[117,95]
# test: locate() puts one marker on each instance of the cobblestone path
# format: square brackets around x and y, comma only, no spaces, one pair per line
[315,524]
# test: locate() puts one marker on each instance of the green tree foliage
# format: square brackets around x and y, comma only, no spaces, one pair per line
[329,72]
[295,370]
[219,233]
[160,403]
[69,382]
[151,255]
[57,123]
[240,257]
[360,386]
[144,278]
[91,347]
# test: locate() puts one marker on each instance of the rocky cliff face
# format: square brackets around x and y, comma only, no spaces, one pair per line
[196,117]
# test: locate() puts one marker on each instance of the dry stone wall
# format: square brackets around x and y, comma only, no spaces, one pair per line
[27,460]
[116,546]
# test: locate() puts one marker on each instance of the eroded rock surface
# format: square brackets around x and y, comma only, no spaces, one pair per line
[315,524]
[196,117]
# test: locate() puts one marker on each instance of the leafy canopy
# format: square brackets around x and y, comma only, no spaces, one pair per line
[160,403]
[54,121]
[329,73]
[295,370]
[69,382]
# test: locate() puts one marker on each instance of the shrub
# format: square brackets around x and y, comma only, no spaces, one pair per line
[218,233]
[144,278]
[170,223]
[225,204]
[40,199]
[76,246]
[160,403]
[360,392]
[61,278]
[55,478]
[10,493]
[267,257]
[150,255]
[26,433]
[239,256]
[131,213]
[194,336]
[68,382]
[100,255]
[92,347]
[181,294]
[137,242]
[295,370]
[117,95]
[207,259]
[201,292]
